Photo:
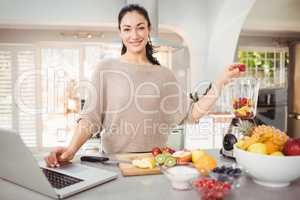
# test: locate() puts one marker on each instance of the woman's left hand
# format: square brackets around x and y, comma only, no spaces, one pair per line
[232,71]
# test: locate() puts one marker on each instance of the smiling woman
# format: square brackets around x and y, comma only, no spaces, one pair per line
[135,100]
[135,26]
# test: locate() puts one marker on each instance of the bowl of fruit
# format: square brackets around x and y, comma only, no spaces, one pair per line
[222,180]
[212,189]
[269,156]
[229,174]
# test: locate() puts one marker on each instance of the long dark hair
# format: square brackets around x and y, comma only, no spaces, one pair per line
[141,10]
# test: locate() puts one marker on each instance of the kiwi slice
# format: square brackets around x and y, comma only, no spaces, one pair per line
[170,161]
[160,159]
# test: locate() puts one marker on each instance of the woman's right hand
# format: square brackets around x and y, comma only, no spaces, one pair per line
[59,156]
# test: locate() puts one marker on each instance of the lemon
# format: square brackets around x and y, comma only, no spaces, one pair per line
[258,148]
[145,163]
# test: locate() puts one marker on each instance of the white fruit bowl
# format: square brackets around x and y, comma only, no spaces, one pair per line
[271,171]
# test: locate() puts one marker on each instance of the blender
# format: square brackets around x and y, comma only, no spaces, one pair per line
[244,95]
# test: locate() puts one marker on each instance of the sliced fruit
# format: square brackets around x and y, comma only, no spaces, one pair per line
[170,161]
[244,110]
[244,102]
[161,158]
[183,156]
[145,163]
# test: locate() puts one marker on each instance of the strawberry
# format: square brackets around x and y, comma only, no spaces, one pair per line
[244,101]
[156,151]
[242,67]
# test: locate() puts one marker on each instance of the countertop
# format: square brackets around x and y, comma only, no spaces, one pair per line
[154,187]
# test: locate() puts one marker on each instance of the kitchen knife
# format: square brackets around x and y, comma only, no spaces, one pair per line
[103,160]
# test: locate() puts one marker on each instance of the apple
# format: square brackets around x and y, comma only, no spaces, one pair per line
[182,157]
[292,147]
[156,151]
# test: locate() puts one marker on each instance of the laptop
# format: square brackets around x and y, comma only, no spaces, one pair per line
[20,167]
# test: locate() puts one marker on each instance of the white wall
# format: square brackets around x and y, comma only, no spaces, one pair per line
[188,19]
[56,12]
[224,34]
[274,15]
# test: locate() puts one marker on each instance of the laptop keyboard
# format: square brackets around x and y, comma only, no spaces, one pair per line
[59,180]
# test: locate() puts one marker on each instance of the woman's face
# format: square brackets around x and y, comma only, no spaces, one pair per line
[134,32]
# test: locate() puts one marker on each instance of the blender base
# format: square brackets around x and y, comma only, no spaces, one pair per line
[227,154]
[228,145]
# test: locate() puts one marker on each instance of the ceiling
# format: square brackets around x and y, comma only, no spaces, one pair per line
[274,15]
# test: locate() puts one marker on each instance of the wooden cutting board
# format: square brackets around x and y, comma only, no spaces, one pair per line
[130,170]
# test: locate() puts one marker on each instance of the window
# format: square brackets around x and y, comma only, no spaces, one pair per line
[18,91]
[43,77]
[60,67]
[267,64]
[5,88]
[26,93]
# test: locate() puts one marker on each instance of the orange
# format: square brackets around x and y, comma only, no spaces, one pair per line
[271,147]
[205,164]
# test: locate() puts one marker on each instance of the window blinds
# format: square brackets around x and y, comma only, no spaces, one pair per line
[5,89]
[18,63]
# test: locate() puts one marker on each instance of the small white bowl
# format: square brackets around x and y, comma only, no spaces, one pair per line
[181,176]
[266,170]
